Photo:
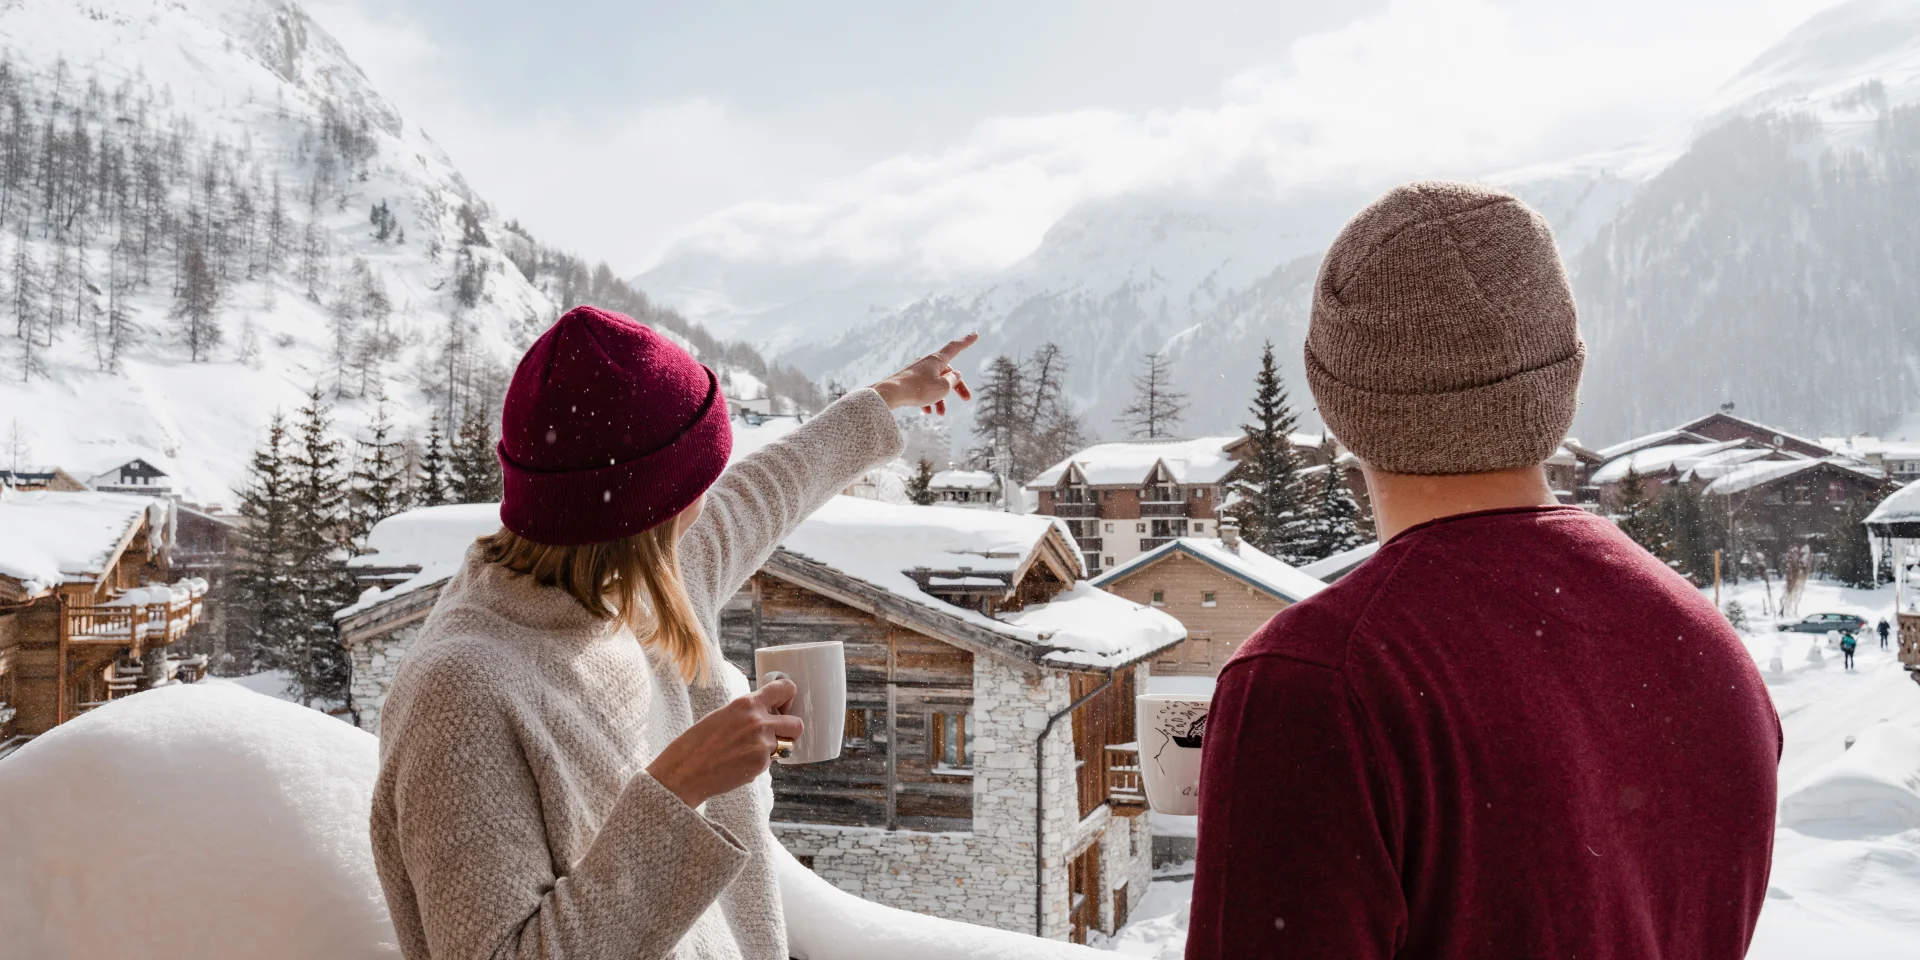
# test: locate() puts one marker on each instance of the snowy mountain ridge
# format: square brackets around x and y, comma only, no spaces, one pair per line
[1680,318]
[234,215]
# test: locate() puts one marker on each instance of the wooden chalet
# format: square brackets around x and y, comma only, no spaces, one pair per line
[86,615]
[1220,590]
[1723,425]
[1777,504]
[989,770]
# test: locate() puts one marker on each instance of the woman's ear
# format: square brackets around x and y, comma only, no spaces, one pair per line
[685,518]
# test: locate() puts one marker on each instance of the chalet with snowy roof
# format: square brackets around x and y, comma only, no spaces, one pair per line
[1221,589]
[1897,459]
[1895,530]
[1783,503]
[1723,425]
[979,489]
[1332,568]
[135,476]
[40,478]
[410,556]
[989,771]
[1123,499]
[86,613]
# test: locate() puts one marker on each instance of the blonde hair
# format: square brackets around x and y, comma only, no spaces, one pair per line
[608,579]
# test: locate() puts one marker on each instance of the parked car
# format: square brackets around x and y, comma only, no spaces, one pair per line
[1824,622]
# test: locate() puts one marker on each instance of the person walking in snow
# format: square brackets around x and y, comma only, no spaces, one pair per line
[1511,732]
[1884,630]
[1847,645]
[568,767]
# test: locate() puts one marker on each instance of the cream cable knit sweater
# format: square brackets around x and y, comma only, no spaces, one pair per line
[514,816]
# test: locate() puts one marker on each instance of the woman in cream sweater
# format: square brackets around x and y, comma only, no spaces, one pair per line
[566,763]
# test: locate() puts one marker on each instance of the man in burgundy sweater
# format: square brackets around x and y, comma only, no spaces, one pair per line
[1511,732]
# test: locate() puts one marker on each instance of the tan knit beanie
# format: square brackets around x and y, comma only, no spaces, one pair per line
[1444,338]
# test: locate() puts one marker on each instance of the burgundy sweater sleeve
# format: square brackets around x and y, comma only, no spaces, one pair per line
[1294,857]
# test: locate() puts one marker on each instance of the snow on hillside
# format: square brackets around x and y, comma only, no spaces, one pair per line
[1846,860]
[209,211]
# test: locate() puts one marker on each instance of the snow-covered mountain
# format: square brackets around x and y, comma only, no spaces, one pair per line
[206,209]
[1763,254]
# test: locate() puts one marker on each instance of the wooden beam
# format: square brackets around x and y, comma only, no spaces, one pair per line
[866,598]
[60,668]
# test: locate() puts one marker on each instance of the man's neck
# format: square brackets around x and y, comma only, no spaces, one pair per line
[1403,500]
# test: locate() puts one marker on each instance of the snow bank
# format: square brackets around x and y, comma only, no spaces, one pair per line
[48,537]
[1874,785]
[197,822]
[207,822]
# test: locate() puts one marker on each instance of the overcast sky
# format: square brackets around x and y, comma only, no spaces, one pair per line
[954,134]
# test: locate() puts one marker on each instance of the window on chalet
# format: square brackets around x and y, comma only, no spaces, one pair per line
[859,720]
[1109,528]
[1159,598]
[1109,562]
[1208,599]
[947,746]
[1139,528]
[1199,526]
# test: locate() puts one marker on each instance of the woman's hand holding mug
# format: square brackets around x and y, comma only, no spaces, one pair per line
[926,381]
[728,747]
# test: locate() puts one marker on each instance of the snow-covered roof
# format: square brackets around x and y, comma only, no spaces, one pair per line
[1199,460]
[1341,562]
[431,541]
[881,543]
[1746,476]
[1657,438]
[1248,563]
[427,535]
[1657,459]
[963,480]
[1763,428]
[51,537]
[1903,506]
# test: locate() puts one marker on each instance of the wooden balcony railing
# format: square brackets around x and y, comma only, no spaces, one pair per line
[1125,793]
[141,617]
[1163,508]
[1079,510]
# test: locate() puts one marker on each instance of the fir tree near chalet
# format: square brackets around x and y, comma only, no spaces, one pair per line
[1275,507]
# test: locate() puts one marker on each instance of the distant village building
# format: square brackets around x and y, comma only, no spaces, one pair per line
[410,557]
[86,612]
[134,476]
[1897,459]
[40,478]
[966,488]
[1123,499]
[1785,503]
[1221,590]
[971,638]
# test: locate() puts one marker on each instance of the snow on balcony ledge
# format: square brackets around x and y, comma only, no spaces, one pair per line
[249,814]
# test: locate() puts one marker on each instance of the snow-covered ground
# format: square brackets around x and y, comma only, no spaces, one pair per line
[1846,858]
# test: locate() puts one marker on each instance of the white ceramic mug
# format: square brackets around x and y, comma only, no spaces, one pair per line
[819,670]
[1171,728]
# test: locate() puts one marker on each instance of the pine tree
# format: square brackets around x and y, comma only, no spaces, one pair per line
[379,479]
[476,469]
[1000,409]
[1638,514]
[918,485]
[317,552]
[1849,552]
[434,486]
[194,307]
[1274,509]
[1336,524]
[261,622]
[1690,538]
[1157,407]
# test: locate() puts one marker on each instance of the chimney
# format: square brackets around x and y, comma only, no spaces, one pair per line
[1230,533]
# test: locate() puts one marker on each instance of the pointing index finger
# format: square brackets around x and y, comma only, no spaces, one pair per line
[951,350]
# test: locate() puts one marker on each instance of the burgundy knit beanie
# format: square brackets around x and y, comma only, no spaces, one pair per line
[1444,338]
[609,429]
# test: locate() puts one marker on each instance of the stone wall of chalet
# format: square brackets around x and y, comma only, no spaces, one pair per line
[986,875]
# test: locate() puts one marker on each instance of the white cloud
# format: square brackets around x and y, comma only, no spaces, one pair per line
[1423,88]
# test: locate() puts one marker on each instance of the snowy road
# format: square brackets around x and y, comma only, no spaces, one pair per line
[1842,887]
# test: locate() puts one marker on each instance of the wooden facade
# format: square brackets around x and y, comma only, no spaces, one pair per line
[906,763]
[1219,610]
[79,644]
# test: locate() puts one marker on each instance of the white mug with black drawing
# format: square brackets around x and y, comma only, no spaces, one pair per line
[819,670]
[1171,728]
